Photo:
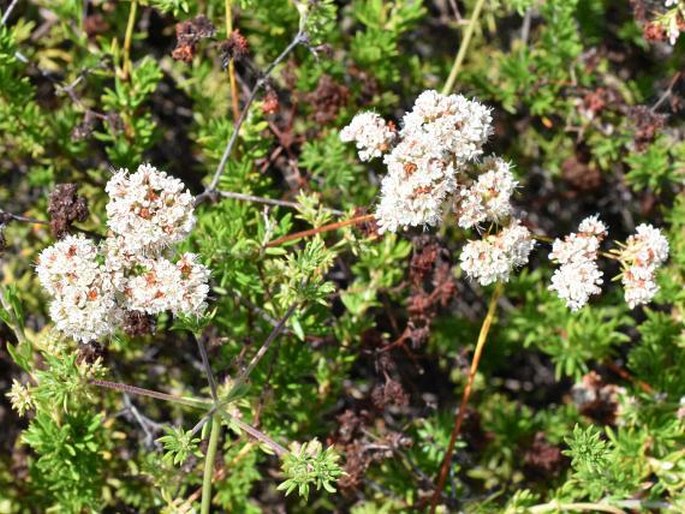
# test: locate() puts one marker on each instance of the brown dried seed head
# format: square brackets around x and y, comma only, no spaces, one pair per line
[65,207]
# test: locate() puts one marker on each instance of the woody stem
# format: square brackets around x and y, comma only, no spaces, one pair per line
[326,228]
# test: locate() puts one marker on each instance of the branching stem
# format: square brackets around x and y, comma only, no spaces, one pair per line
[326,228]
[298,39]
[139,391]
[267,201]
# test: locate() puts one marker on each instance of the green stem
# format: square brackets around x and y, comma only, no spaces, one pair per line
[126,68]
[197,403]
[576,507]
[456,67]
[212,446]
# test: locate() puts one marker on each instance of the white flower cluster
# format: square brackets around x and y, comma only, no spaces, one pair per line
[489,198]
[642,254]
[371,133]
[93,286]
[438,137]
[435,162]
[578,277]
[150,208]
[492,258]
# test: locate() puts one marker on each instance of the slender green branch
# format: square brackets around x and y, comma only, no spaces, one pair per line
[139,391]
[262,351]
[575,507]
[130,25]
[463,48]
[231,64]
[279,450]
[214,436]
[208,368]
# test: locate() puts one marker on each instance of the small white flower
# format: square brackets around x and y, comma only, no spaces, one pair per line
[489,198]
[575,247]
[453,123]
[71,262]
[87,314]
[414,191]
[578,277]
[194,279]
[673,31]
[647,248]
[154,288]
[518,242]
[592,226]
[492,259]
[576,281]
[371,133]
[150,209]
[642,254]
[159,285]
[640,286]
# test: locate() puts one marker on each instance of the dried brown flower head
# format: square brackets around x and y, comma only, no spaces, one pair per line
[65,207]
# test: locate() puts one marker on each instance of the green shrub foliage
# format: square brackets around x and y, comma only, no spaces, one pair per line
[325,370]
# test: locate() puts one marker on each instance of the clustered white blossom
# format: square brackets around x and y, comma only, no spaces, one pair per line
[150,208]
[435,160]
[434,164]
[489,197]
[642,254]
[578,277]
[94,286]
[371,133]
[492,258]
[438,137]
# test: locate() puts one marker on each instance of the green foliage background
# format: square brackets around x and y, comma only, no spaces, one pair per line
[566,80]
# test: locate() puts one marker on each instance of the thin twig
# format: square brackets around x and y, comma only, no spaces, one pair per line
[8,12]
[482,338]
[207,367]
[268,201]
[326,228]
[264,348]
[667,93]
[8,216]
[299,38]
[525,27]
[280,325]
[279,450]
[139,391]
[461,54]
[143,421]
[231,63]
